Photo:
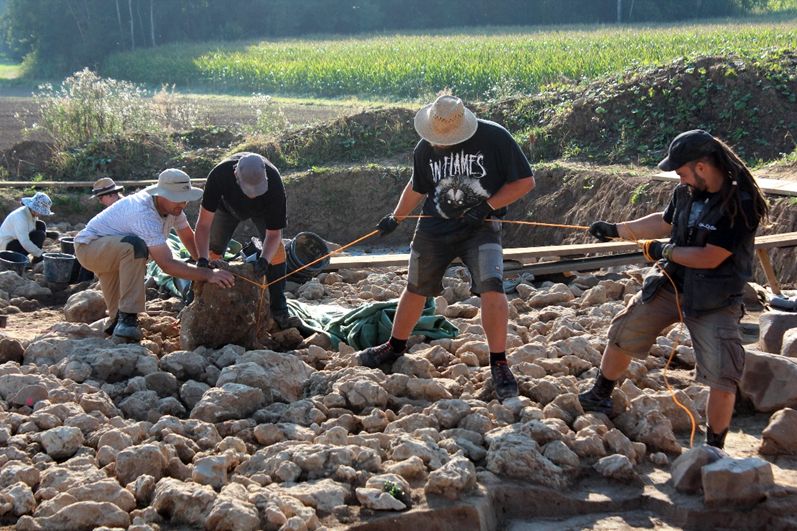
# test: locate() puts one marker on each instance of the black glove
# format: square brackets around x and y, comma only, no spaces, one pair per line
[604,231]
[475,216]
[387,225]
[260,267]
[203,262]
[654,250]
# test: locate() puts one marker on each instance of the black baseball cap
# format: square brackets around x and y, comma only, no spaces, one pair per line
[688,146]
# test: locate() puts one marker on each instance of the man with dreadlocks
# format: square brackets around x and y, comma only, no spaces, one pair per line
[711,219]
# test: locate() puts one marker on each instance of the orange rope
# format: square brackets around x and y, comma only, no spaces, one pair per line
[645,245]
[519,222]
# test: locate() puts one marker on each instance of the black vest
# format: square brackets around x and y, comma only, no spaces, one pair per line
[704,290]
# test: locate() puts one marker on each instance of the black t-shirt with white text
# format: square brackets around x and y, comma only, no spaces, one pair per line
[459,177]
[222,192]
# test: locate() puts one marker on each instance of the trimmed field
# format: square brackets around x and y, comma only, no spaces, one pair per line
[477,64]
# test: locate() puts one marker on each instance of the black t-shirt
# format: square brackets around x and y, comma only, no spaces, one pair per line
[222,192]
[459,177]
[721,234]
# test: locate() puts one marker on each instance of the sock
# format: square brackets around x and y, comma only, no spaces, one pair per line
[497,357]
[603,386]
[714,439]
[398,344]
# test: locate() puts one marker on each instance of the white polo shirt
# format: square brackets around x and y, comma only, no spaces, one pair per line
[133,215]
[17,226]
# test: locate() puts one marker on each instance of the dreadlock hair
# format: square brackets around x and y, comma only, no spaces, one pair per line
[741,181]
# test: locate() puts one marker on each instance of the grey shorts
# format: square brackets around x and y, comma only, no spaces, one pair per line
[479,250]
[715,336]
[223,227]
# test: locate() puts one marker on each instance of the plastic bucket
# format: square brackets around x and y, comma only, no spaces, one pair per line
[67,244]
[58,267]
[303,249]
[13,261]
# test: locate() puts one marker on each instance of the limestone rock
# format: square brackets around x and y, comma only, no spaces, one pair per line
[84,515]
[768,381]
[516,456]
[17,286]
[731,481]
[10,350]
[788,348]
[378,500]
[286,374]
[772,325]
[780,435]
[62,442]
[230,401]
[231,514]
[687,468]
[219,316]
[616,466]
[452,479]
[85,306]
[183,503]
[644,422]
[211,470]
[22,500]
[138,460]
[323,495]
[17,471]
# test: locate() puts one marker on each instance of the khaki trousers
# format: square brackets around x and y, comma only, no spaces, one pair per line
[121,274]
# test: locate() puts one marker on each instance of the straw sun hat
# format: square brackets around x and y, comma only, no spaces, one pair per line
[445,122]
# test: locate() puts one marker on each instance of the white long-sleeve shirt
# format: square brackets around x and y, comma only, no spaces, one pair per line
[17,226]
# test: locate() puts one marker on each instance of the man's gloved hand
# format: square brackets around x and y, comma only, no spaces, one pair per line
[604,231]
[260,267]
[387,225]
[203,262]
[654,250]
[475,216]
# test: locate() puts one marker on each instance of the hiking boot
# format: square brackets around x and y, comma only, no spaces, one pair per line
[110,326]
[503,381]
[373,357]
[52,234]
[590,401]
[127,327]
[286,320]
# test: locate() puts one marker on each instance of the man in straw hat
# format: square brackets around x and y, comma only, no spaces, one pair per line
[711,220]
[246,186]
[467,170]
[22,230]
[106,191]
[117,242]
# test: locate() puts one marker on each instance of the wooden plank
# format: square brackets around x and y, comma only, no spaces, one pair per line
[768,186]
[769,272]
[85,184]
[520,254]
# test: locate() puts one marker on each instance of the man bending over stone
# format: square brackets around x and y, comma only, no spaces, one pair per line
[117,242]
[711,220]
[468,170]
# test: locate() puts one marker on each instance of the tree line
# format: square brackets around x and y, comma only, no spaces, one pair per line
[58,36]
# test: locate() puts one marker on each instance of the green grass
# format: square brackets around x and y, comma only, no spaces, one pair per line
[10,71]
[478,64]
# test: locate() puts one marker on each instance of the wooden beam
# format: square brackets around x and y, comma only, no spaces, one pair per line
[769,271]
[84,184]
[768,186]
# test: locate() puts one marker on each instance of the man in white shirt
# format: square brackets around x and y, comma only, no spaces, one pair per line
[117,242]
[22,231]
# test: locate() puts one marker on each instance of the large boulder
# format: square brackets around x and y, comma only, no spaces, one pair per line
[230,401]
[780,435]
[772,326]
[732,482]
[220,316]
[768,381]
[85,306]
[686,471]
[517,456]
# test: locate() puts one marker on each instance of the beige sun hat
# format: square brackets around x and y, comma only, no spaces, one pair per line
[174,185]
[445,122]
[103,186]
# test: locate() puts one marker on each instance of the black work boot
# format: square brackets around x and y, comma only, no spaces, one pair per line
[276,295]
[127,327]
[373,357]
[504,381]
[717,440]
[111,325]
[591,401]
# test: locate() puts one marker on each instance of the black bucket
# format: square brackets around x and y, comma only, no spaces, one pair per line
[58,267]
[67,244]
[303,249]
[13,261]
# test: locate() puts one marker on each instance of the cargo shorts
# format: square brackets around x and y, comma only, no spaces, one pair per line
[715,336]
[480,250]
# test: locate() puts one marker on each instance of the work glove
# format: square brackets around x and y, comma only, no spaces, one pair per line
[203,262]
[475,216]
[260,267]
[604,231]
[654,250]
[387,225]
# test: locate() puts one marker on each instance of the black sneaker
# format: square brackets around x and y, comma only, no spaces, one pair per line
[503,381]
[592,402]
[286,320]
[373,357]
